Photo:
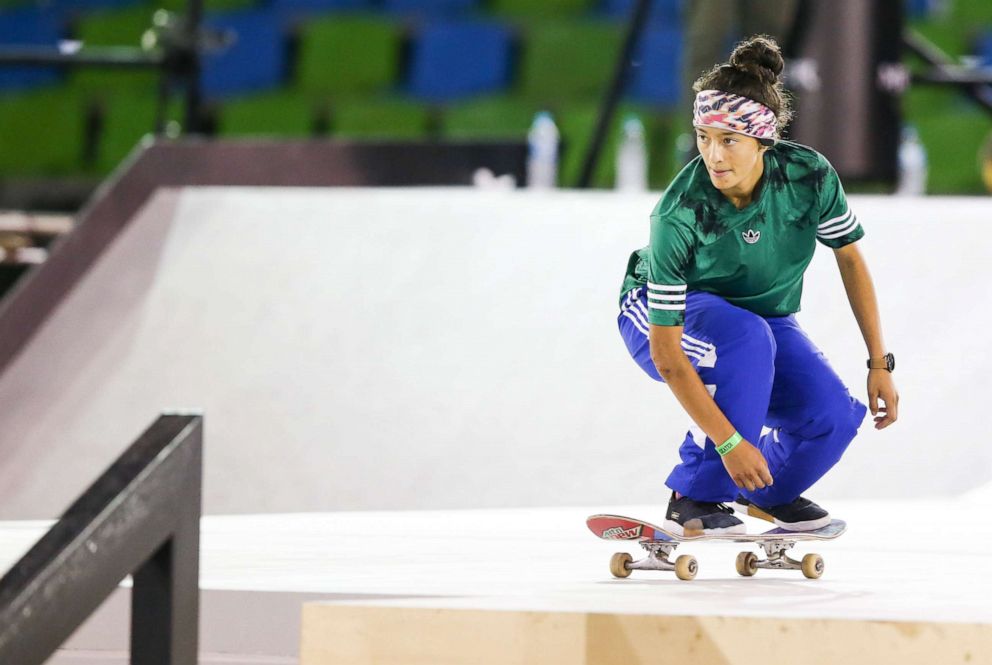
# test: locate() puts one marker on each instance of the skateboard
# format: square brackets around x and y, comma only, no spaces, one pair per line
[660,544]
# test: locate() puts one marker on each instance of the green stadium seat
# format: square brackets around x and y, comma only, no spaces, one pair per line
[496,118]
[125,119]
[114,28]
[970,14]
[271,114]
[350,56]
[42,133]
[577,125]
[952,130]
[661,129]
[180,6]
[952,30]
[379,119]
[541,8]
[569,60]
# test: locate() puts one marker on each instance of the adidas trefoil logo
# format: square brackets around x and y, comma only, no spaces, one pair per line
[751,236]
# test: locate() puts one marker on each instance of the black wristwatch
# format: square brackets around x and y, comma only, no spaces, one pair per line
[888,361]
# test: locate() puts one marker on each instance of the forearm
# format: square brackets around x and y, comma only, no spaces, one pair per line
[861,294]
[692,394]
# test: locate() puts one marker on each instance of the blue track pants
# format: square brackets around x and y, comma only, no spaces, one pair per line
[760,371]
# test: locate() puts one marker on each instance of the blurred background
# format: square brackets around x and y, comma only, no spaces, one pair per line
[601,92]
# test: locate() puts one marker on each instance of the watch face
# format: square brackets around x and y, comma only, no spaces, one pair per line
[890,361]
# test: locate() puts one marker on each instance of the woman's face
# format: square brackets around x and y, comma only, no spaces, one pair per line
[732,160]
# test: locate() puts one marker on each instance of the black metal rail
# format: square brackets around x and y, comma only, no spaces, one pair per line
[621,74]
[140,518]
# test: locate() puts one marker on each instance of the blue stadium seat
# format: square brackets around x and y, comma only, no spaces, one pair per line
[29,26]
[293,7]
[983,48]
[655,77]
[457,60]
[668,12]
[86,5]
[430,8]
[257,59]
[919,9]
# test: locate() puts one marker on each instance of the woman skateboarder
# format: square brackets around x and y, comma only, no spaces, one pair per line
[708,308]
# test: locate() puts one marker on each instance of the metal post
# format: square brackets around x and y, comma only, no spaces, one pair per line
[606,111]
[165,594]
[194,94]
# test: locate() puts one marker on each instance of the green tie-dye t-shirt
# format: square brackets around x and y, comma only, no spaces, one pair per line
[754,257]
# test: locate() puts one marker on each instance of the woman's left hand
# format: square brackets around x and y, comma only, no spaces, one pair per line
[882,387]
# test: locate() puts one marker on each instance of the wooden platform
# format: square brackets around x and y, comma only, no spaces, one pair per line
[343,635]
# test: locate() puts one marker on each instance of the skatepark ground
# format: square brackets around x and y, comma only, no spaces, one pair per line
[413,399]
[508,581]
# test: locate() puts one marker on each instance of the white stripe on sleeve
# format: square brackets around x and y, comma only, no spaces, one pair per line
[667,287]
[841,231]
[840,219]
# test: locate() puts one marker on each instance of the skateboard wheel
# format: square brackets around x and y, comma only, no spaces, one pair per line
[813,566]
[747,564]
[686,567]
[619,563]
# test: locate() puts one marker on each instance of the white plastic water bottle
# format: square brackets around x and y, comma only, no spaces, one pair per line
[542,152]
[912,164]
[632,157]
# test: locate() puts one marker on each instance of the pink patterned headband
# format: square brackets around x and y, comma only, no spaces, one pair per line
[724,110]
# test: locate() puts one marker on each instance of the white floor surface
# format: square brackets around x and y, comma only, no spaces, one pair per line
[898,561]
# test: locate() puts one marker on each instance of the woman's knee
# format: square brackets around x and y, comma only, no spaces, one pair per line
[752,337]
[736,329]
[855,416]
[842,417]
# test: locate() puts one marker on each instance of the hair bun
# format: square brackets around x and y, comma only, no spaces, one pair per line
[759,57]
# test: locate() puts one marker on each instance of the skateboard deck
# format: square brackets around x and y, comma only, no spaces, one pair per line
[660,543]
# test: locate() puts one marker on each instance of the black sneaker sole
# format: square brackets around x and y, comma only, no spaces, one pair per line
[676,528]
[752,510]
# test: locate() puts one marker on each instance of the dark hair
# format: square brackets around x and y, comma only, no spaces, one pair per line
[753,71]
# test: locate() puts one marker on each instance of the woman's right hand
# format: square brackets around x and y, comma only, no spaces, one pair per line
[747,467]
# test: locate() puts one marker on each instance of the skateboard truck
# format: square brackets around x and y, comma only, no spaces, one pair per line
[685,566]
[748,563]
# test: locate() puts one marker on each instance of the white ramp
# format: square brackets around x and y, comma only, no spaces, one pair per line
[419,349]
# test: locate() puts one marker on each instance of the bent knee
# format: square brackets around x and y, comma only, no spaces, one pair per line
[755,336]
[843,417]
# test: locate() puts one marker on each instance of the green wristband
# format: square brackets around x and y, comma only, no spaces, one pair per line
[729,444]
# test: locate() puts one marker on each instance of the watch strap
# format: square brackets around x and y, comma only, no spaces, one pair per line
[886,362]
